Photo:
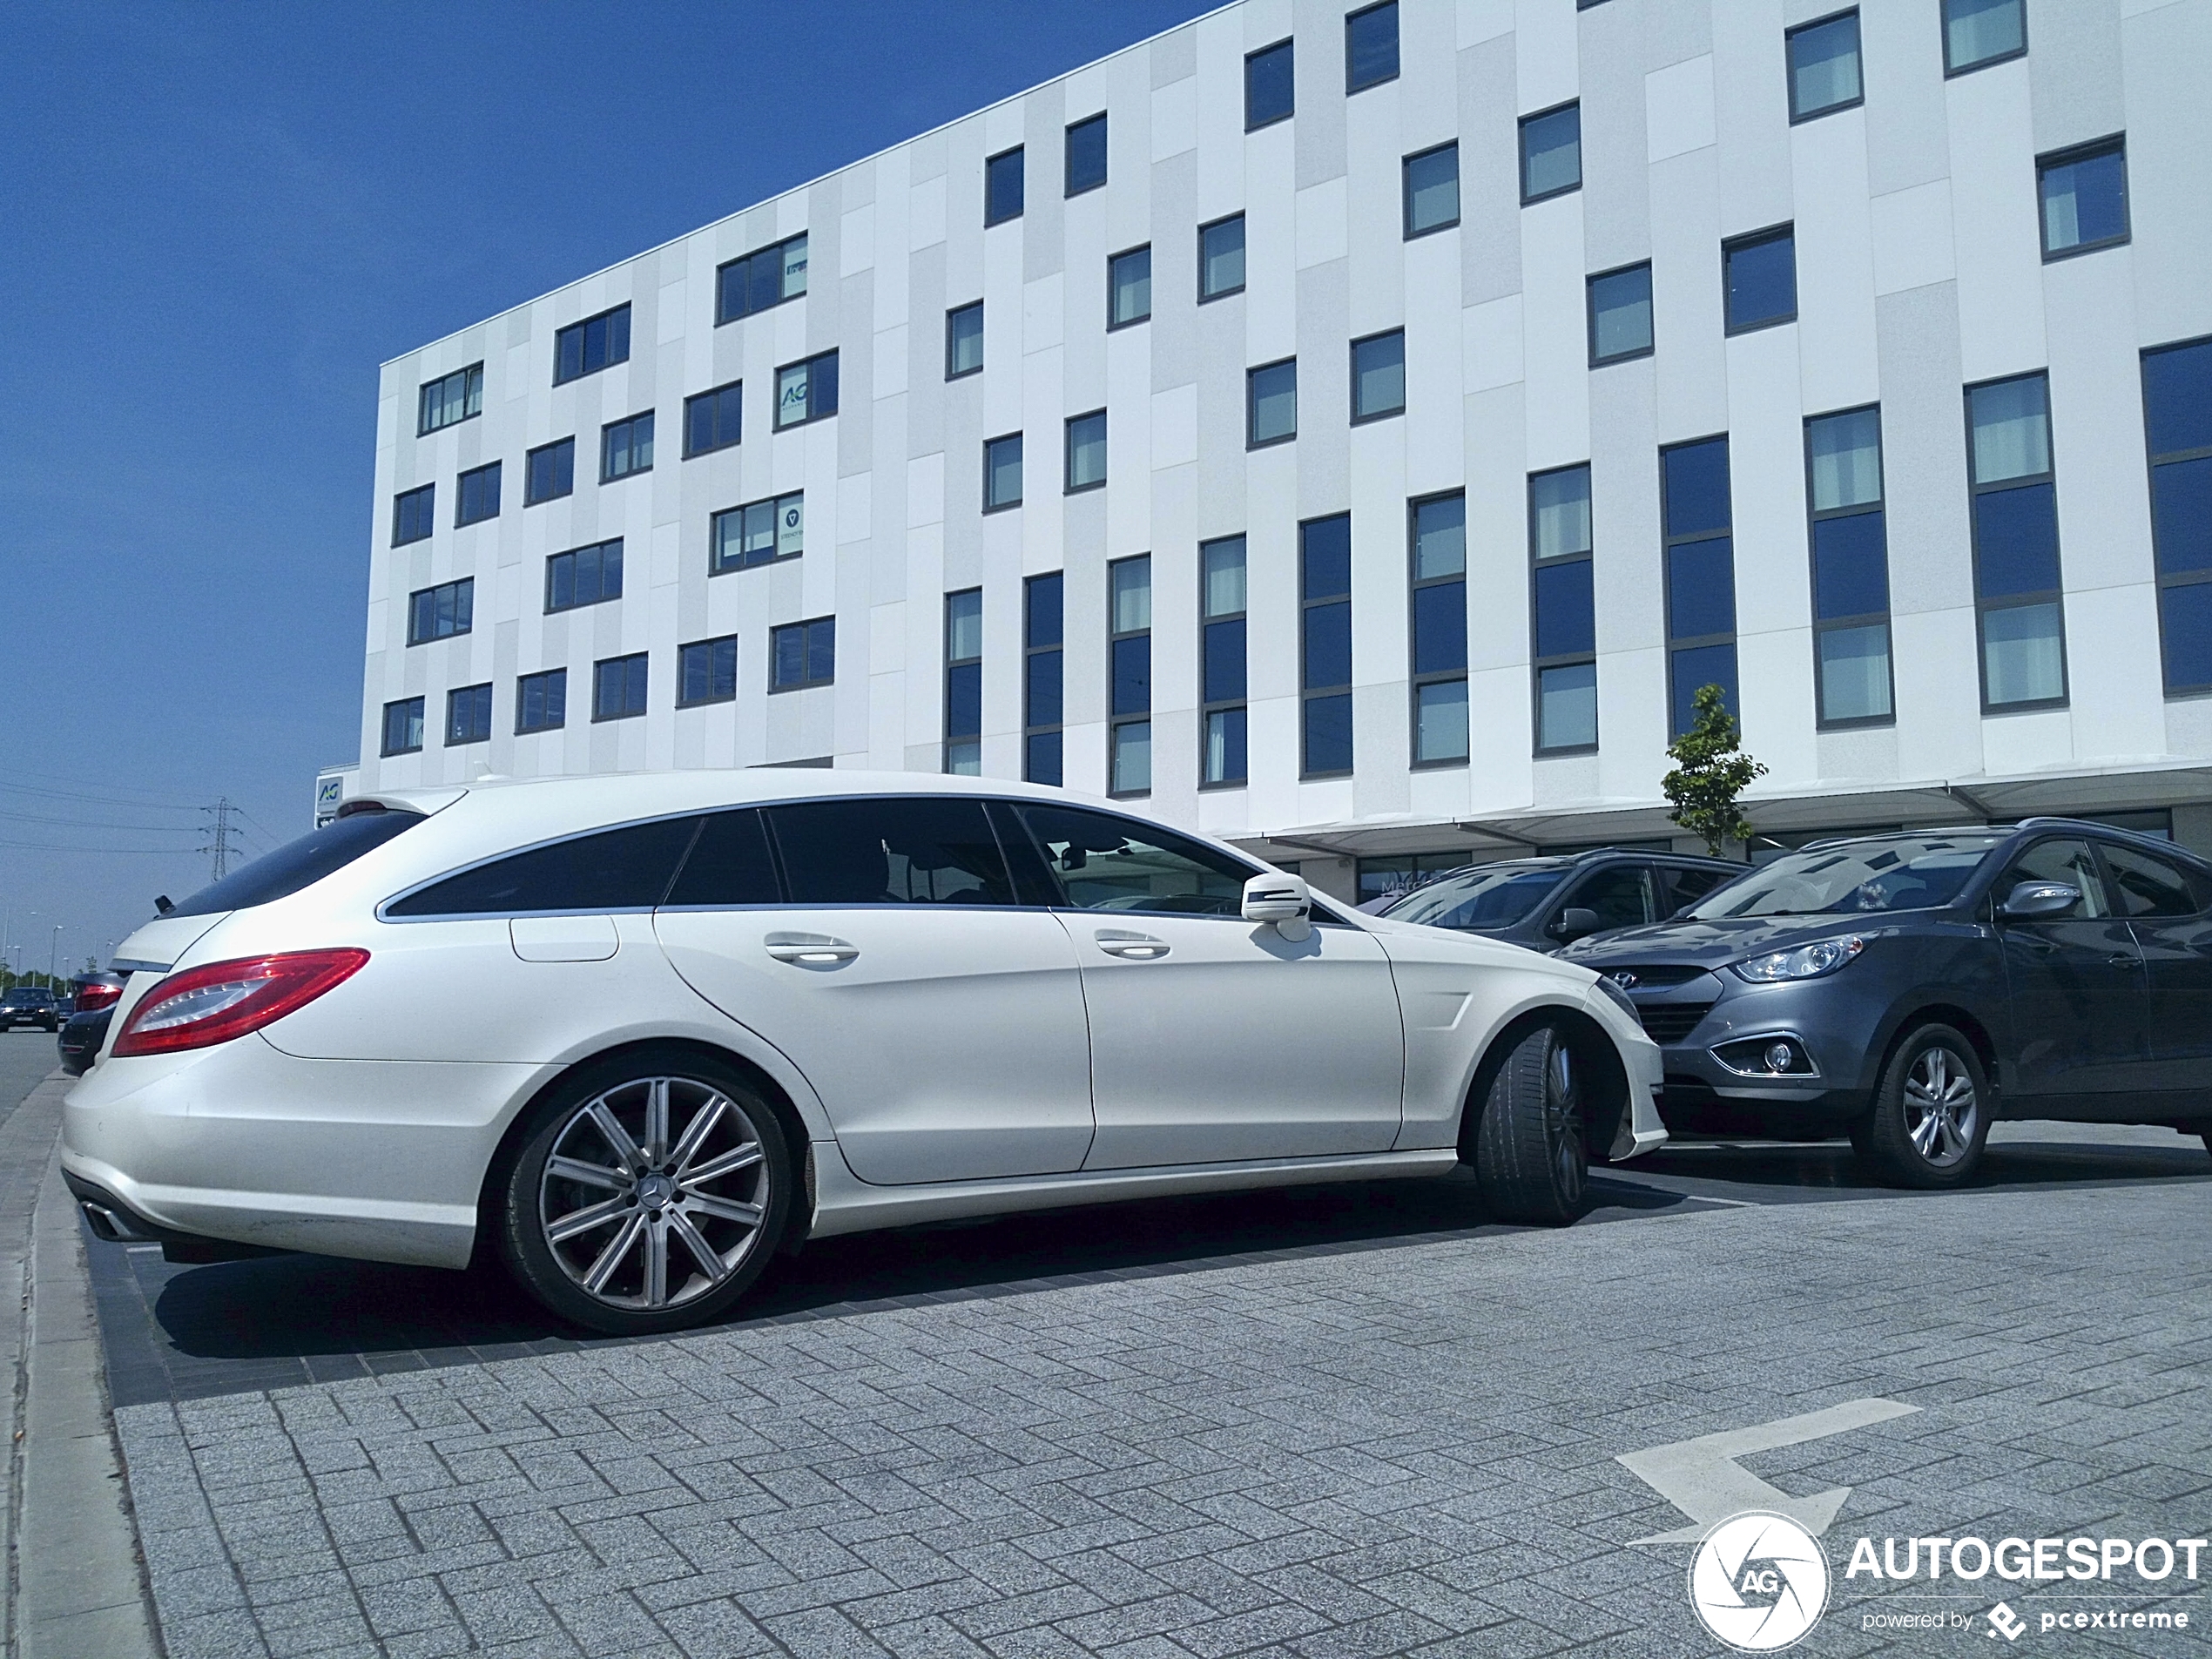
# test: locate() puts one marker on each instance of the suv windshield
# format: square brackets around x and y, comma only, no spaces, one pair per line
[1896,873]
[1497,896]
[24,995]
[298,864]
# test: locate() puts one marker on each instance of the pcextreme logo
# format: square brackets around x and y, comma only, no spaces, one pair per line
[1759,1581]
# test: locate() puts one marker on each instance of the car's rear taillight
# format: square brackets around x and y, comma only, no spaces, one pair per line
[225,1000]
[90,997]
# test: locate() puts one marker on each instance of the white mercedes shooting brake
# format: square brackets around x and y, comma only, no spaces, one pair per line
[637,1033]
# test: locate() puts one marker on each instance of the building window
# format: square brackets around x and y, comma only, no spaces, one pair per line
[1270,403]
[551,472]
[458,396]
[1850,569]
[806,391]
[2177,422]
[1978,32]
[766,277]
[541,701]
[1129,651]
[2084,193]
[618,687]
[403,726]
[1761,276]
[712,419]
[1562,611]
[964,683]
[802,653]
[1003,186]
[1701,577]
[1325,645]
[468,715]
[2016,544]
[1221,258]
[1551,153]
[1221,661]
[1042,666]
[1270,92]
[1128,287]
[1086,155]
[761,532]
[1439,534]
[588,346]
[1621,314]
[964,340]
[1432,190]
[584,576]
[706,671]
[1087,451]
[1824,66]
[1002,472]
[1379,376]
[1371,47]
[413,512]
[443,612]
[476,495]
[626,447]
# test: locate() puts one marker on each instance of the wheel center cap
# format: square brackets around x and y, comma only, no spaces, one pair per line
[655,1190]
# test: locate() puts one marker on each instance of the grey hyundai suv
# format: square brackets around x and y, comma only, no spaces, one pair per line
[1907,989]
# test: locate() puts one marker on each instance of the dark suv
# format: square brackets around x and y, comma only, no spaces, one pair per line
[1906,989]
[1544,902]
[30,1005]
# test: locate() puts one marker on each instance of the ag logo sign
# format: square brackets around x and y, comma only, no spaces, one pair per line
[1759,1581]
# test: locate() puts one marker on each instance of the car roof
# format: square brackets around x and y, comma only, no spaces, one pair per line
[1588,855]
[2037,826]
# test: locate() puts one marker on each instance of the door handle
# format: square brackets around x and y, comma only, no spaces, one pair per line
[2123,962]
[810,950]
[1134,948]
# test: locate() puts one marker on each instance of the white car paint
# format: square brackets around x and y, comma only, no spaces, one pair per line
[959,1062]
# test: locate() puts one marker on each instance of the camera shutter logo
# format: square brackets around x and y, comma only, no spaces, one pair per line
[1759,1581]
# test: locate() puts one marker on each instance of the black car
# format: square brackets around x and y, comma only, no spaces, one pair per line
[1907,989]
[28,1005]
[85,1030]
[1544,902]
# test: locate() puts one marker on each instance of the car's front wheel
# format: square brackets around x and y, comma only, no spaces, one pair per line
[1932,1114]
[1529,1152]
[649,1194]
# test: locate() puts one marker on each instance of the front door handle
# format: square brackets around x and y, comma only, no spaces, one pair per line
[2123,962]
[810,950]
[1133,948]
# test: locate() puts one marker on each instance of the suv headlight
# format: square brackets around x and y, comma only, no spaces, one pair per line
[1620,998]
[1807,961]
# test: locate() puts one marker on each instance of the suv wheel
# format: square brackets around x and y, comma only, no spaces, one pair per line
[648,1194]
[1931,1115]
[1529,1150]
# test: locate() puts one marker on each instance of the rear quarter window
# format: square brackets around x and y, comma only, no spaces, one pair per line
[629,868]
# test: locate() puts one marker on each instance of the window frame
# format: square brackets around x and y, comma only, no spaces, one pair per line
[1537,662]
[1069,486]
[579,329]
[716,566]
[627,423]
[736,402]
[1521,138]
[1069,188]
[456,584]
[1406,192]
[529,471]
[806,643]
[1021,174]
[1815,516]
[1113,264]
[472,399]
[1118,720]
[1289,42]
[683,653]
[1353,391]
[425,515]
[1021,463]
[1951,69]
[1668,541]
[416,719]
[1790,72]
[461,520]
[552,679]
[953,665]
[2152,461]
[1731,247]
[1589,313]
[814,379]
[2113,144]
[453,698]
[624,661]
[1308,694]
[598,547]
[1416,584]
[2054,596]
[951,313]
[1205,298]
[1352,88]
[723,314]
[1209,708]
[1251,405]
[1031,649]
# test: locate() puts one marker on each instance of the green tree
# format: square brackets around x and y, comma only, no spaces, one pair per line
[1710,771]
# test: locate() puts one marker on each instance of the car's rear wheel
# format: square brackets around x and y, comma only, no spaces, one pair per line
[649,1194]
[1529,1152]
[1931,1115]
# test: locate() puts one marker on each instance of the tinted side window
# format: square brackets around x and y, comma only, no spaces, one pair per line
[619,869]
[890,851]
[1618,893]
[2147,886]
[1685,884]
[1107,863]
[298,864]
[2068,861]
[729,864]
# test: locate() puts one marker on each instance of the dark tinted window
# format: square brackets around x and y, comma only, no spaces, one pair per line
[879,851]
[729,864]
[1686,884]
[1107,863]
[298,864]
[2071,862]
[618,869]
[1270,92]
[2149,886]
[1618,893]
[1496,896]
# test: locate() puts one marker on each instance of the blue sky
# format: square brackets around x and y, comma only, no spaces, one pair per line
[220,220]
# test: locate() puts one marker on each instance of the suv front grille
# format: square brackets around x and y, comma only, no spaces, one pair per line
[1656,978]
[1669,1022]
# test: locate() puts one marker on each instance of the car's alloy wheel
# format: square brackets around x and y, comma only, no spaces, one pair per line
[1931,1115]
[1529,1151]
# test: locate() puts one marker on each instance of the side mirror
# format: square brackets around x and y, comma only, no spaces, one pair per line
[1283,900]
[1574,921]
[2038,901]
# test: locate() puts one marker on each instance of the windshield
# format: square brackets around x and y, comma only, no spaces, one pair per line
[1497,896]
[298,864]
[1896,873]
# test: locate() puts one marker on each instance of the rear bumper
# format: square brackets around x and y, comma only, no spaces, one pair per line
[111,1219]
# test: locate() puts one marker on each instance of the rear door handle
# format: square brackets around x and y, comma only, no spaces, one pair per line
[1134,948]
[810,950]
[2123,962]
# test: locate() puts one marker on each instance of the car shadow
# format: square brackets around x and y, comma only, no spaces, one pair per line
[2028,1154]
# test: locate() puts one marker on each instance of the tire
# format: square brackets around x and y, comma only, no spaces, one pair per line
[1530,1153]
[1932,1114]
[682,1164]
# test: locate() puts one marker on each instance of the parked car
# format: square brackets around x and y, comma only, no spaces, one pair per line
[28,1005]
[85,1030]
[1908,989]
[1546,902]
[646,1029]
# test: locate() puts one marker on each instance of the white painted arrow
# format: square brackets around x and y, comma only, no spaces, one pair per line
[1701,1477]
